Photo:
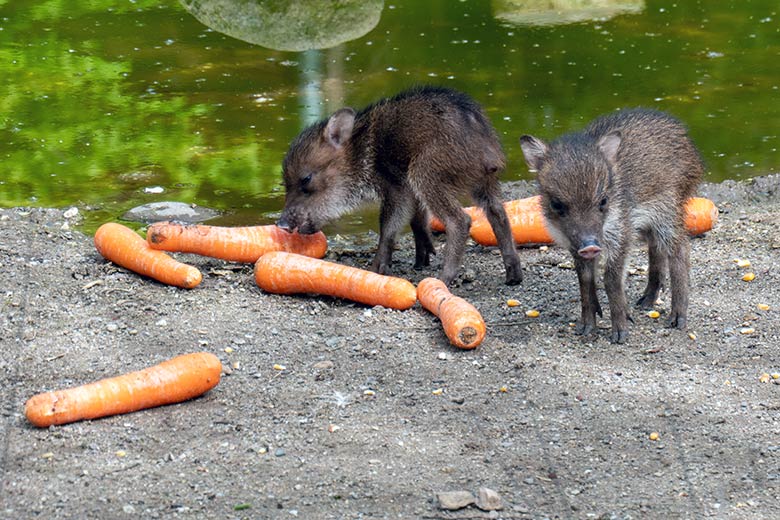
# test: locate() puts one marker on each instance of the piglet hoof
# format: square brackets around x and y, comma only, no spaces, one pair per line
[619,335]
[646,302]
[514,274]
[422,263]
[678,321]
[380,267]
[584,329]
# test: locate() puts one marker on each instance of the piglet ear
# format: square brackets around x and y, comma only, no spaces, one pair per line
[609,146]
[534,151]
[339,127]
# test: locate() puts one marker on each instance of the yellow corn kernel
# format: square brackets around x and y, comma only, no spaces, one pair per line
[747,330]
[763,307]
[228,350]
[512,303]
[369,393]
[775,375]
[503,389]
[749,277]
[279,367]
[743,263]
[764,378]
[438,391]
[692,335]
[654,314]
[654,436]
[532,313]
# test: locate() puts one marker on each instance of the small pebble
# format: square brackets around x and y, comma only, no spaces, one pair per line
[442,355]
[488,500]
[453,500]
[279,452]
[323,365]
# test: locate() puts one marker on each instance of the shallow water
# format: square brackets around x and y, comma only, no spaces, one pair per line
[108,104]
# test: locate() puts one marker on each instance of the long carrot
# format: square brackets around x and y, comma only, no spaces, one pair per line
[236,244]
[525,219]
[178,379]
[289,273]
[528,225]
[462,322]
[125,247]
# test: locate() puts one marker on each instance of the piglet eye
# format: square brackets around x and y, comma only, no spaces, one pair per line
[558,207]
[603,204]
[304,183]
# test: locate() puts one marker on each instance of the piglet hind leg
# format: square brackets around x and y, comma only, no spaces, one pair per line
[679,278]
[488,197]
[657,266]
[614,274]
[423,242]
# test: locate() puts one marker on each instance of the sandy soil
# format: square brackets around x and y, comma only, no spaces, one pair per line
[354,426]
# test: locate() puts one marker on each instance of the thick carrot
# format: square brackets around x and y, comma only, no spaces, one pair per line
[125,247]
[525,219]
[289,273]
[172,381]
[236,244]
[462,322]
[528,225]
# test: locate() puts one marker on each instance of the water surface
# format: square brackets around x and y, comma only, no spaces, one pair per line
[108,104]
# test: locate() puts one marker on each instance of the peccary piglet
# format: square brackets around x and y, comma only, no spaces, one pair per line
[417,153]
[628,172]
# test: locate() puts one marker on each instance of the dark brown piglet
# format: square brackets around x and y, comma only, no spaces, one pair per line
[416,153]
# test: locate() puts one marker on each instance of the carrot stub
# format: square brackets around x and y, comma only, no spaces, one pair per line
[528,225]
[289,273]
[126,248]
[236,244]
[462,322]
[178,379]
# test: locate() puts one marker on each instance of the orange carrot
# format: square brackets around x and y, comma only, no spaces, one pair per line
[178,379]
[125,247]
[701,215]
[289,273]
[462,322]
[236,244]
[525,219]
[528,224]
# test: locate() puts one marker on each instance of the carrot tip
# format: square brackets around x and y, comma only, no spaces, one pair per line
[468,335]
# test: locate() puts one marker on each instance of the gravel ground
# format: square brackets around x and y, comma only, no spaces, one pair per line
[374,413]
